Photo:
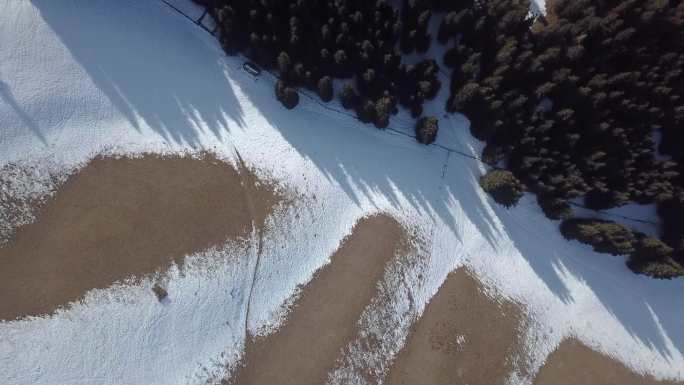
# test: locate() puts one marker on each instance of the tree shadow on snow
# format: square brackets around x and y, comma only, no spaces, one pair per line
[369,164]
[7,96]
[177,94]
[642,305]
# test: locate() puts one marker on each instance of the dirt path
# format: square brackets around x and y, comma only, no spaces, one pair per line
[463,337]
[118,218]
[574,363]
[323,320]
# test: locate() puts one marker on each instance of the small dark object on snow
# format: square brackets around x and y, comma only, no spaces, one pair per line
[251,68]
[160,292]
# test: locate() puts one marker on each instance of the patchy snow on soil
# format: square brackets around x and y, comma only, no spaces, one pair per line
[23,185]
[79,78]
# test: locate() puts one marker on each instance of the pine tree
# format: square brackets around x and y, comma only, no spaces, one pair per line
[426,129]
[325,88]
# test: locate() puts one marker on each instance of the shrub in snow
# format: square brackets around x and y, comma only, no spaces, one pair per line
[604,236]
[503,186]
[159,292]
[653,257]
[426,129]
[649,248]
[287,95]
[664,269]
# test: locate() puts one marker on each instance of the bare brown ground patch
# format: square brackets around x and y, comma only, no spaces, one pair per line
[123,217]
[324,317]
[463,337]
[575,363]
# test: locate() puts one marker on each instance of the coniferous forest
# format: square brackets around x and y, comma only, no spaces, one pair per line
[585,104]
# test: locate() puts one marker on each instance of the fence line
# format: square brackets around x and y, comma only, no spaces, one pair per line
[316,100]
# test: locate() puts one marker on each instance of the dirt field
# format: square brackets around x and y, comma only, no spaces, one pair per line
[463,337]
[573,363]
[118,218]
[324,318]
[122,218]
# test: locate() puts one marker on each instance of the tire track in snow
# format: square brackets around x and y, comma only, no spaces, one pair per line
[255,233]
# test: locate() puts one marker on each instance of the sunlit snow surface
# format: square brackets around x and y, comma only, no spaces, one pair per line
[538,6]
[86,77]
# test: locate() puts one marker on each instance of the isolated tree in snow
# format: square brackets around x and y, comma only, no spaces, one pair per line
[503,186]
[287,95]
[426,129]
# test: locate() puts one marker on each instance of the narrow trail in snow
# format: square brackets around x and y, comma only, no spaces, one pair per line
[445,168]
[255,233]
[254,276]
[326,311]
[393,131]
[122,217]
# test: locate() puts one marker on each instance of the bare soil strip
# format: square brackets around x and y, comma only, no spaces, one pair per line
[574,363]
[324,317]
[118,218]
[463,337]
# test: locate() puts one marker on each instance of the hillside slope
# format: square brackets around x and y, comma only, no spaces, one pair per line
[80,78]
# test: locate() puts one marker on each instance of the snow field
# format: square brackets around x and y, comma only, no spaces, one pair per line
[81,78]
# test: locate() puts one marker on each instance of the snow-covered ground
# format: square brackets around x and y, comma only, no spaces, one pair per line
[78,78]
[538,6]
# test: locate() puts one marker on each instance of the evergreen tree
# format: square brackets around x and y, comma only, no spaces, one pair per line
[325,88]
[349,97]
[426,129]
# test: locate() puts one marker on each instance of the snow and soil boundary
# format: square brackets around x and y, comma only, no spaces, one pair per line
[133,77]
